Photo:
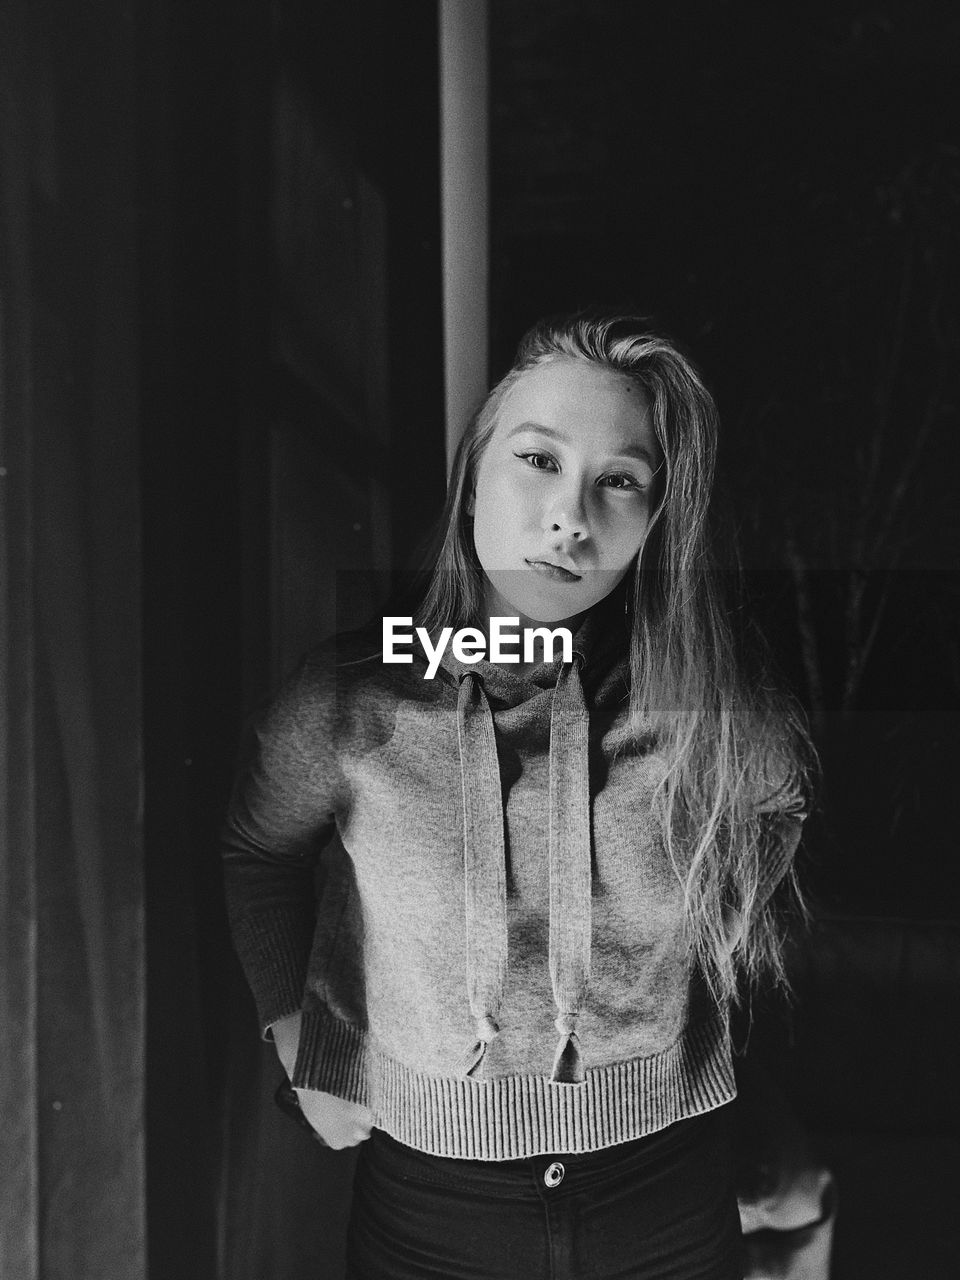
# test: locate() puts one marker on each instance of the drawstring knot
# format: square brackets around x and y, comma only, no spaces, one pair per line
[567,1061]
[566,1024]
[487,1029]
[486,1032]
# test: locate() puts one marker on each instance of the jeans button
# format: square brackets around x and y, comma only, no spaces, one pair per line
[553,1174]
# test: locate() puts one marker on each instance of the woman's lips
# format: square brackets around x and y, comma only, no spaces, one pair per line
[554,571]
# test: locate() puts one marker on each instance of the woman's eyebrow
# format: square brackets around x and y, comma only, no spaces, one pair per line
[625,451]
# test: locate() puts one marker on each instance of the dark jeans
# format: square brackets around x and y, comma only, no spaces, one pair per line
[661,1208]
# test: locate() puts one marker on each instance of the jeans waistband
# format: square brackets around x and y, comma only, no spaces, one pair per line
[510,1177]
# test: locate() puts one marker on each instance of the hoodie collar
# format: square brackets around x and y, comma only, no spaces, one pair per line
[599,641]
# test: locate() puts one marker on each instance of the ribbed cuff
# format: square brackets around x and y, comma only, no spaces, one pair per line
[334,1057]
[274,950]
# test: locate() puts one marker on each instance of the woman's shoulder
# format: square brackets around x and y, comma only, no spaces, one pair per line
[352,664]
[343,688]
[341,661]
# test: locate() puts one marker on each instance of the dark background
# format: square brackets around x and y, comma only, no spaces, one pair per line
[222,411]
[779,185]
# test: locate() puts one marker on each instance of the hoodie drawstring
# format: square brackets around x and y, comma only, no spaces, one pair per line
[485,870]
[485,877]
[570,870]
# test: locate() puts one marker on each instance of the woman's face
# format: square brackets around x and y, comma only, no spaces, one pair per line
[564,491]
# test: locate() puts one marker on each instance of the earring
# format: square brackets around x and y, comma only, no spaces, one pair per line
[628,598]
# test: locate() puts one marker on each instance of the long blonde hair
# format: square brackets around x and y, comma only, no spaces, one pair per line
[730,738]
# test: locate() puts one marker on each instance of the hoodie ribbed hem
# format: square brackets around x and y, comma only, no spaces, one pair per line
[509,1117]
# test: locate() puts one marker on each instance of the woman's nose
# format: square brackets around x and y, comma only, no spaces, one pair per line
[568,515]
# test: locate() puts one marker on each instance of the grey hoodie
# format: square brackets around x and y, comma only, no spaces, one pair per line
[495,964]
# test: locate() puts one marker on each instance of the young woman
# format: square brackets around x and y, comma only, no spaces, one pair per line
[557,874]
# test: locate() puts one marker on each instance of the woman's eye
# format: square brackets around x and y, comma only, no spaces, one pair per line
[620,480]
[539,461]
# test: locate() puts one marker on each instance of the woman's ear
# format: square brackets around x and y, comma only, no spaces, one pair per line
[472,503]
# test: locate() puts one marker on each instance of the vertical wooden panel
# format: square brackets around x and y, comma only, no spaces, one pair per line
[19,1221]
[329,433]
[202,187]
[72,1074]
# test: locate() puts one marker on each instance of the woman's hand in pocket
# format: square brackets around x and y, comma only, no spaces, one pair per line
[338,1122]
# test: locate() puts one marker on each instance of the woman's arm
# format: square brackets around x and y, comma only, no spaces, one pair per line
[281,813]
[781,805]
[780,836]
